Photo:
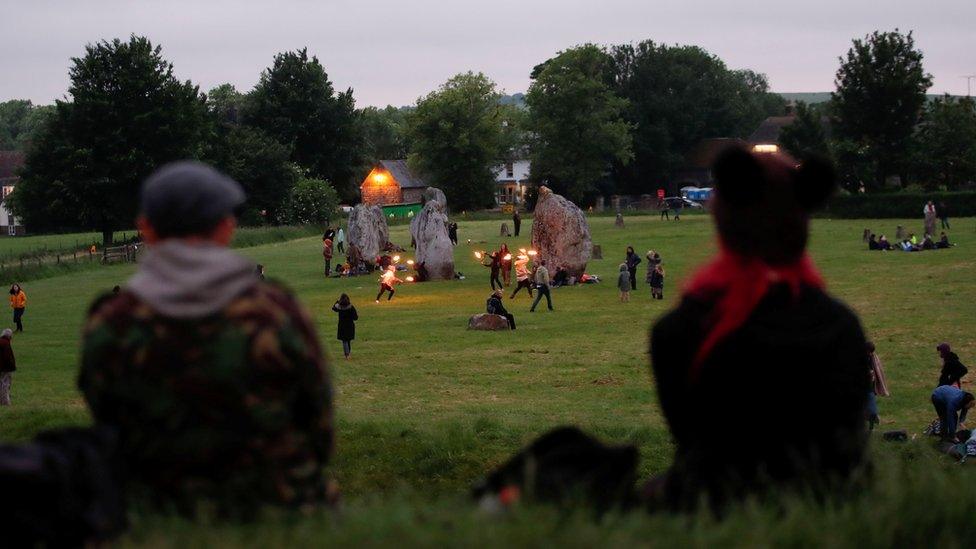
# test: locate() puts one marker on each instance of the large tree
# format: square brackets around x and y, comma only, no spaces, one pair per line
[946,154]
[807,134]
[383,133]
[677,96]
[456,139]
[575,122]
[20,120]
[880,94]
[128,115]
[295,103]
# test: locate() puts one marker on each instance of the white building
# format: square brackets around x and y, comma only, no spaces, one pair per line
[10,163]
[512,178]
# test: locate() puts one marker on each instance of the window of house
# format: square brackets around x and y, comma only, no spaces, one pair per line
[509,170]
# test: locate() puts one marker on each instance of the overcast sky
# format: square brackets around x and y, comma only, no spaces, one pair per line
[393,51]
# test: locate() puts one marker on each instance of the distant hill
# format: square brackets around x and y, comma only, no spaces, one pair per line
[812,98]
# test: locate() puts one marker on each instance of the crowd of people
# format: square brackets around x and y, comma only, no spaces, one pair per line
[911,243]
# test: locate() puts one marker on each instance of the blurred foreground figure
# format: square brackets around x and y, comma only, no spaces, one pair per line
[761,375]
[213,378]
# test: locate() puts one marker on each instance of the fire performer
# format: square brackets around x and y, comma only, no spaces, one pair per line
[388,282]
[505,261]
[523,275]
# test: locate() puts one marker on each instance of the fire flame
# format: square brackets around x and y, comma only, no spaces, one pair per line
[508,257]
[409,279]
[477,255]
[409,262]
[533,252]
[396,259]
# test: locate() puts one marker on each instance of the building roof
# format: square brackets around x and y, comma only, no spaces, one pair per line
[707,150]
[402,174]
[10,162]
[768,131]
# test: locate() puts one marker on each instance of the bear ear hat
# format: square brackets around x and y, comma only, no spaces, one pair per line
[815,181]
[738,176]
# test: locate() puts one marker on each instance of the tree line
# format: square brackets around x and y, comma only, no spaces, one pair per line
[596,120]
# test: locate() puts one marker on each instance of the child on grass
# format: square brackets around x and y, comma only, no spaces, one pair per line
[624,283]
[657,283]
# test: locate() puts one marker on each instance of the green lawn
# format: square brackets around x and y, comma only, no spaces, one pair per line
[425,407]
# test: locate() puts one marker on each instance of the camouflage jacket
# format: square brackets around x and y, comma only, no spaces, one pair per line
[236,407]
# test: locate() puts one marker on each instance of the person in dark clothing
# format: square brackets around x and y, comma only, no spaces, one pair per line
[665,209]
[561,277]
[943,243]
[329,234]
[632,261]
[678,204]
[505,262]
[749,332]
[452,232]
[347,323]
[494,263]
[516,221]
[942,212]
[883,243]
[8,365]
[952,369]
[951,404]
[495,307]
[873,243]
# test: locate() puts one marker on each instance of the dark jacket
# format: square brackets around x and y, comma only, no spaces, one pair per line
[494,306]
[632,261]
[7,362]
[657,280]
[952,370]
[793,380]
[347,322]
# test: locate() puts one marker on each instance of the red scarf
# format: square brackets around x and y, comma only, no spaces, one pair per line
[738,283]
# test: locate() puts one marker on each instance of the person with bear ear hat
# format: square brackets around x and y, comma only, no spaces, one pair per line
[757,341]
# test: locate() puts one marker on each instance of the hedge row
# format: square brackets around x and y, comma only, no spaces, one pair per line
[898,205]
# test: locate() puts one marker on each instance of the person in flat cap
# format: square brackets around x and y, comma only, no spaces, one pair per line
[213,378]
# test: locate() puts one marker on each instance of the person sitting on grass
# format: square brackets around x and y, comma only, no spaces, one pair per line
[873,243]
[623,283]
[943,242]
[755,334]
[951,404]
[953,369]
[214,380]
[494,306]
[928,243]
[883,243]
[561,278]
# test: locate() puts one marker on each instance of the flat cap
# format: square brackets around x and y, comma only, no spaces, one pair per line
[187,198]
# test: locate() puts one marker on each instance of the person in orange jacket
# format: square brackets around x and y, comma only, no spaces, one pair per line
[18,302]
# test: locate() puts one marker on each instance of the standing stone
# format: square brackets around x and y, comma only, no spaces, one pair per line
[504,230]
[367,234]
[435,252]
[561,234]
[597,251]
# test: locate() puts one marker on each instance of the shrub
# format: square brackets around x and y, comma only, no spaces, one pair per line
[897,205]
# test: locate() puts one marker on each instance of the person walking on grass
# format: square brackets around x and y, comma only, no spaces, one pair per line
[494,263]
[623,283]
[657,282]
[632,261]
[942,212]
[347,323]
[388,283]
[662,205]
[523,276]
[214,380]
[516,220]
[7,366]
[18,302]
[494,306]
[541,286]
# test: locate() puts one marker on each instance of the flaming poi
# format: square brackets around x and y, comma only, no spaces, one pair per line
[409,279]
[508,257]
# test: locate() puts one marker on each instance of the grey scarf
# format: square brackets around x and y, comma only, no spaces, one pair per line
[187,281]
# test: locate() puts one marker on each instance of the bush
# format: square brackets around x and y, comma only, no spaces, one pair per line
[312,201]
[897,205]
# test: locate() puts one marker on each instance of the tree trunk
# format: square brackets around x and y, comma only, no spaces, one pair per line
[107,237]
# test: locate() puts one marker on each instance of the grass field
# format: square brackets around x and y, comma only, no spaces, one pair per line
[425,407]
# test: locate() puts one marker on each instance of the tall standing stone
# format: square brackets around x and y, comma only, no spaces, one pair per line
[560,233]
[429,231]
[368,234]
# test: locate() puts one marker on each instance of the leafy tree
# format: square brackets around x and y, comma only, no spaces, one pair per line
[128,116]
[679,95]
[384,133]
[880,94]
[456,139]
[312,202]
[294,103]
[20,120]
[947,143]
[261,165]
[806,135]
[576,122]
[225,104]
